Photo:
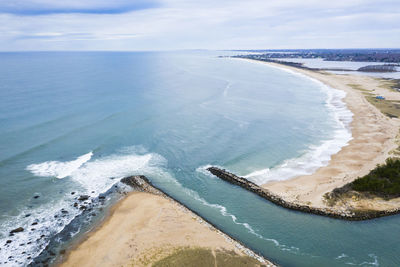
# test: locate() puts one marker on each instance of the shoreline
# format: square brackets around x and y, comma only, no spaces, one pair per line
[209,235]
[316,155]
[374,139]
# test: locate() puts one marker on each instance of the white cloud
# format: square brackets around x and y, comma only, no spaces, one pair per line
[178,24]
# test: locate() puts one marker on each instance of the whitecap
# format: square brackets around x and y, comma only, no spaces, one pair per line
[88,176]
[59,169]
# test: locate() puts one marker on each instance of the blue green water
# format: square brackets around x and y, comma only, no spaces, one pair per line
[77,122]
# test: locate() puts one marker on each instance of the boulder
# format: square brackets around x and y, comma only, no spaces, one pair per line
[17,230]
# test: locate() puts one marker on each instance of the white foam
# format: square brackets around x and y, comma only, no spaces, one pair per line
[87,175]
[224,212]
[57,168]
[352,261]
[203,170]
[95,175]
[317,155]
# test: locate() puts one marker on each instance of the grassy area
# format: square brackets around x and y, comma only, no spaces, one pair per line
[358,87]
[388,107]
[231,259]
[203,257]
[382,181]
[391,84]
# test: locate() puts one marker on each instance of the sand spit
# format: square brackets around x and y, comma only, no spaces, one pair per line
[145,227]
[375,138]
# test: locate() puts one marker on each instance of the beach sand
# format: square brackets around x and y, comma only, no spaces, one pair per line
[375,137]
[144,228]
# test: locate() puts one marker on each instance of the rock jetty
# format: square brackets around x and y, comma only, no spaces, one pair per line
[351,215]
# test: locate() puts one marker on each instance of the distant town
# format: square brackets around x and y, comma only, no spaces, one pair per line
[363,55]
[391,57]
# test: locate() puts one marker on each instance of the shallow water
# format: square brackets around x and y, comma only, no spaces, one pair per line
[77,122]
[348,65]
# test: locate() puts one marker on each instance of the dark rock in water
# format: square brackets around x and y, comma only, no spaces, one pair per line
[22,244]
[83,197]
[32,229]
[29,243]
[27,215]
[72,193]
[93,214]
[17,230]
[55,216]
[82,207]
[102,197]
[8,241]
[42,236]
[34,223]
[92,192]
[265,193]
[75,204]
[64,211]
[36,196]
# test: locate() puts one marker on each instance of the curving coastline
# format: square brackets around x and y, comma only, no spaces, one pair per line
[375,138]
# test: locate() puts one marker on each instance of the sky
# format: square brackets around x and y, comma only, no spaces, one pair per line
[27,25]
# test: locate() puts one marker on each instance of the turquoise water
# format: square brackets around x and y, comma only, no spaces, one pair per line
[77,122]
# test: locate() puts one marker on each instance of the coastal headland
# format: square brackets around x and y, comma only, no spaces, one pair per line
[374,139]
[149,228]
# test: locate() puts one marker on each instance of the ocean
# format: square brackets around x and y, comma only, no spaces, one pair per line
[74,123]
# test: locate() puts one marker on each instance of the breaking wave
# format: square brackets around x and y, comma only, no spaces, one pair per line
[317,155]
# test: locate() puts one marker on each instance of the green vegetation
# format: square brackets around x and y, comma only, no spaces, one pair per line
[202,257]
[188,257]
[382,181]
[388,107]
[391,84]
[231,259]
[358,87]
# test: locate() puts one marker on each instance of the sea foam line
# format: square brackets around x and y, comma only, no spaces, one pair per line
[88,176]
[318,155]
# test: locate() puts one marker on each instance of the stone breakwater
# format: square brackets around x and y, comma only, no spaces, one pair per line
[141,183]
[351,215]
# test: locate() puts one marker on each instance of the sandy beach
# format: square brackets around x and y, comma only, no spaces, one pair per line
[144,228]
[375,137]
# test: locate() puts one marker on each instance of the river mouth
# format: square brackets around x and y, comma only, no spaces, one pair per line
[167,116]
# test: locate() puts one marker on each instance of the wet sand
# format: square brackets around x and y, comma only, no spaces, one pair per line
[374,138]
[144,228]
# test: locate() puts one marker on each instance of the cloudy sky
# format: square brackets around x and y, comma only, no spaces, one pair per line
[197,24]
